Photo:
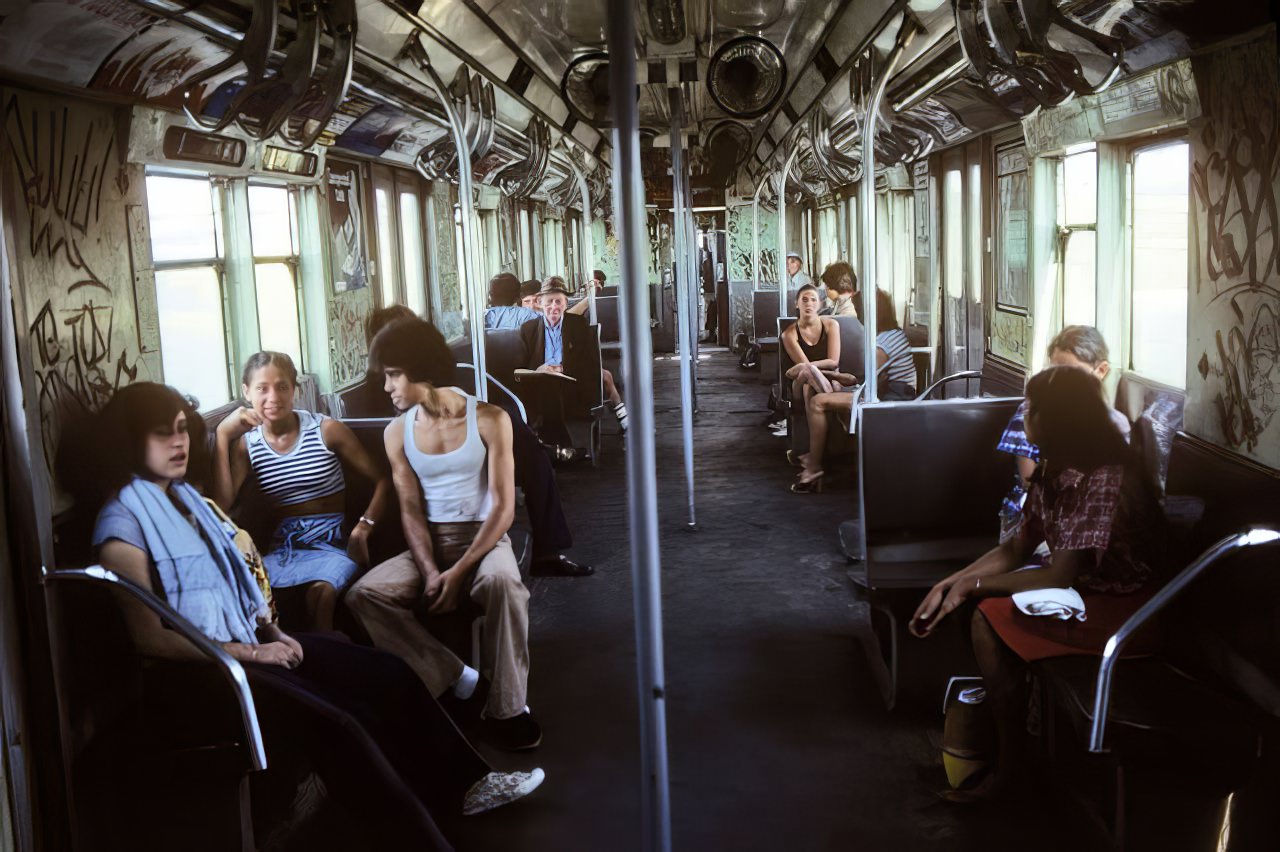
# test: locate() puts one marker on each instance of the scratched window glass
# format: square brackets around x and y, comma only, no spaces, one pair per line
[182,218]
[193,350]
[1159,312]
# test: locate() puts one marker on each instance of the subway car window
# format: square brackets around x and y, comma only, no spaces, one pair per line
[1077,235]
[1159,202]
[183,212]
[274,233]
[412,252]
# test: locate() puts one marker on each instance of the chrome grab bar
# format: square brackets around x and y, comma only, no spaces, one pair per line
[1102,693]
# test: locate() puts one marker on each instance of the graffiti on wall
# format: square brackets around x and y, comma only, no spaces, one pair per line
[446,251]
[348,353]
[740,243]
[1233,382]
[77,280]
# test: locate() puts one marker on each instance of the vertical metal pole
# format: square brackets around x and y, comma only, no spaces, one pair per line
[684,319]
[466,204]
[783,245]
[867,199]
[585,248]
[693,294]
[637,355]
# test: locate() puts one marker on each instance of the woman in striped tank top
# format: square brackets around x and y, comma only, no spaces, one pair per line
[297,457]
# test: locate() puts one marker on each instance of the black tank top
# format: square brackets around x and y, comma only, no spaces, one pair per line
[813,351]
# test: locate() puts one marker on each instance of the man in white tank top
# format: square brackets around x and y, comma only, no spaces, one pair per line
[452,467]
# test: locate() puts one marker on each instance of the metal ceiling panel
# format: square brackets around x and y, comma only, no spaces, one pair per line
[547,99]
[858,20]
[806,89]
[587,135]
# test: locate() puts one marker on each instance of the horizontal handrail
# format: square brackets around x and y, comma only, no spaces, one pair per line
[230,668]
[967,374]
[1111,653]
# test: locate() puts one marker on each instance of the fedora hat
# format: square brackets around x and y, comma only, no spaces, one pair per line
[553,284]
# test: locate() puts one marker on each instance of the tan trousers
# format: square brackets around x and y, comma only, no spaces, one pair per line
[384,600]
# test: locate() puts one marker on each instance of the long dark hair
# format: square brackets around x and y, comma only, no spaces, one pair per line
[1073,426]
[885,314]
[99,453]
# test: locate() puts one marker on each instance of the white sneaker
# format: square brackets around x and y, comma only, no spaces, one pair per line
[500,788]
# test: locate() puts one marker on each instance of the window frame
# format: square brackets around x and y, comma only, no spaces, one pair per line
[218,263]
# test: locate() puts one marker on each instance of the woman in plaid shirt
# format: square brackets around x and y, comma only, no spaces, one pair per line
[1088,500]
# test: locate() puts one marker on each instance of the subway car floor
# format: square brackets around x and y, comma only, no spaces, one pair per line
[777,735]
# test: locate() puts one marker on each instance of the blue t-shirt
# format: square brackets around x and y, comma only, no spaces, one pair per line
[115,521]
[508,316]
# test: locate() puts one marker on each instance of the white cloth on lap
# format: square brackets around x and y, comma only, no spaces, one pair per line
[1062,604]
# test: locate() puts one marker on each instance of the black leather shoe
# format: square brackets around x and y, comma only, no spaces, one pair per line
[560,566]
[519,733]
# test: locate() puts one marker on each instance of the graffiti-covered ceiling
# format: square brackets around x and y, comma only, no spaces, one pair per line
[754,79]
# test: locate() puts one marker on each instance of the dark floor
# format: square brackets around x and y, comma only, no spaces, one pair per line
[777,736]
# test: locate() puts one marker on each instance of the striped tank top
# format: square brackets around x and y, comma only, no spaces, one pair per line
[899,367]
[309,471]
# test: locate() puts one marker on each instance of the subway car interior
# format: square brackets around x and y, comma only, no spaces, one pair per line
[457,424]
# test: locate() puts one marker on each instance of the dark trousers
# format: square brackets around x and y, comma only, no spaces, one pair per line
[536,477]
[386,751]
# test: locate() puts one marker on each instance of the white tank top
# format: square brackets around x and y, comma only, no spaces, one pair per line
[455,485]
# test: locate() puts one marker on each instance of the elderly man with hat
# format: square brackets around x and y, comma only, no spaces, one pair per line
[561,342]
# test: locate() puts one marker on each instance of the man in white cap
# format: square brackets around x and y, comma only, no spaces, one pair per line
[796,276]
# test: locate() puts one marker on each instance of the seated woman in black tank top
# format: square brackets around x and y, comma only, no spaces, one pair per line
[813,344]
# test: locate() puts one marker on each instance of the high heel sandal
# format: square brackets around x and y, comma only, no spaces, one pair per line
[811,485]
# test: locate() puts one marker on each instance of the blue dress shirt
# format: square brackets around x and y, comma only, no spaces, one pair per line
[554,340]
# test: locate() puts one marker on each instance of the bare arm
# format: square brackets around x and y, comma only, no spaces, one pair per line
[791,343]
[580,309]
[230,456]
[413,510]
[948,594]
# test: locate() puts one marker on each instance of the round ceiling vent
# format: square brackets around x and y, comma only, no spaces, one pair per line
[746,76]
[585,89]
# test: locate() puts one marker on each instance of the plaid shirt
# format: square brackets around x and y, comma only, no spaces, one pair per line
[1074,510]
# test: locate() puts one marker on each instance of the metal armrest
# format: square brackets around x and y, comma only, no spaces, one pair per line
[524,415]
[1102,693]
[230,669]
[967,374]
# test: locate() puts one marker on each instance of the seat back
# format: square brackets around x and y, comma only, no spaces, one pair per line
[153,750]
[930,481]
[764,308]
[1001,378]
[504,353]
[852,356]
[1227,624]
[607,318]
